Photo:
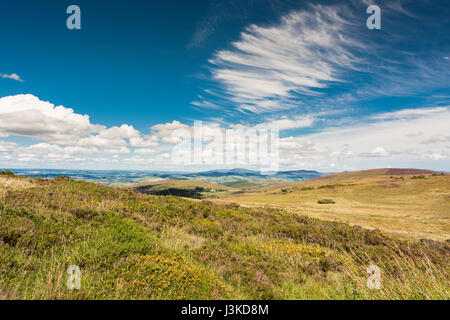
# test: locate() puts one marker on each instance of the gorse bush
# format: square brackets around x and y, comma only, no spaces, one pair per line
[326,201]
[7,173]
[135,246]
[62,178]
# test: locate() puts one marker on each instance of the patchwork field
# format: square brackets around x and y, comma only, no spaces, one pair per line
[407,203]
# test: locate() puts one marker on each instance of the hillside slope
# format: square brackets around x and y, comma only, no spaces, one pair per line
[407,202]
[181,188]
[134,246]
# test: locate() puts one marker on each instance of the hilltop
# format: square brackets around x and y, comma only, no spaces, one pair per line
[200,189]
[134,246]
[374,173]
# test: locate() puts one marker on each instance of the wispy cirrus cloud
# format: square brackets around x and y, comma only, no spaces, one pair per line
[314,57]
[12,76]
[270,67]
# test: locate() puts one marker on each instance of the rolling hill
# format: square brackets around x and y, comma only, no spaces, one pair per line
[407,202]
[182,188]
[236,175]
[134,246]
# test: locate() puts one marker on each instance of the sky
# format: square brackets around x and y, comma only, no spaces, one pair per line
[117,93]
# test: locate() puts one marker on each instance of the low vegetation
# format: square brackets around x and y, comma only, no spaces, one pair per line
[326,201]
[135,246]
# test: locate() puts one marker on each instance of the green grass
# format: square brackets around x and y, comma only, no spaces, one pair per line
[134,246]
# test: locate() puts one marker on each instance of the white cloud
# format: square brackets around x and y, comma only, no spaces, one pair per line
[144,151]
[124,131]
[270,65]
[63,135]
[26,115]
[146,141]
[437,138]
[376,152]
[409,113]
[12,76]
[386,141]
[7,146]
[167,131]
[283,123]
[437,156]
[116,151]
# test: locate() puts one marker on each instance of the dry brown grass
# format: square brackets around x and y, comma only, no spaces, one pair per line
[15,184]
[410,208]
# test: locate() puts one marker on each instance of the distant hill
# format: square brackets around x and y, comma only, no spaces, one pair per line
[199,189]
[245,172]
[375,172]
[180,188]
[119,178]
[234,175]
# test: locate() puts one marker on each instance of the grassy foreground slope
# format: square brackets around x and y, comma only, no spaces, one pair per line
[134,246]
[409,203]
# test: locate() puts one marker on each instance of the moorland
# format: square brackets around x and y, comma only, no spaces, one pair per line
[131,245]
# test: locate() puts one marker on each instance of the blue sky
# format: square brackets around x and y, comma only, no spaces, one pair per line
[343,97]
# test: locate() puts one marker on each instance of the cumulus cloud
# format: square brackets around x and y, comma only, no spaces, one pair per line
[63,134]
[145,141]
[144,151]
[437,138]
[7,146]
[26,115]
[387,138]
[167,131]
[68,137]
[376,152]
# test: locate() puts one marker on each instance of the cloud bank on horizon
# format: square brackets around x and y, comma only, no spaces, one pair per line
[62,138]
[342,100]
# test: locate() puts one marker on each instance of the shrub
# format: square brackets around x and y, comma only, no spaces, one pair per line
[7,173]
[326,201]
[164,276]
[62,178]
